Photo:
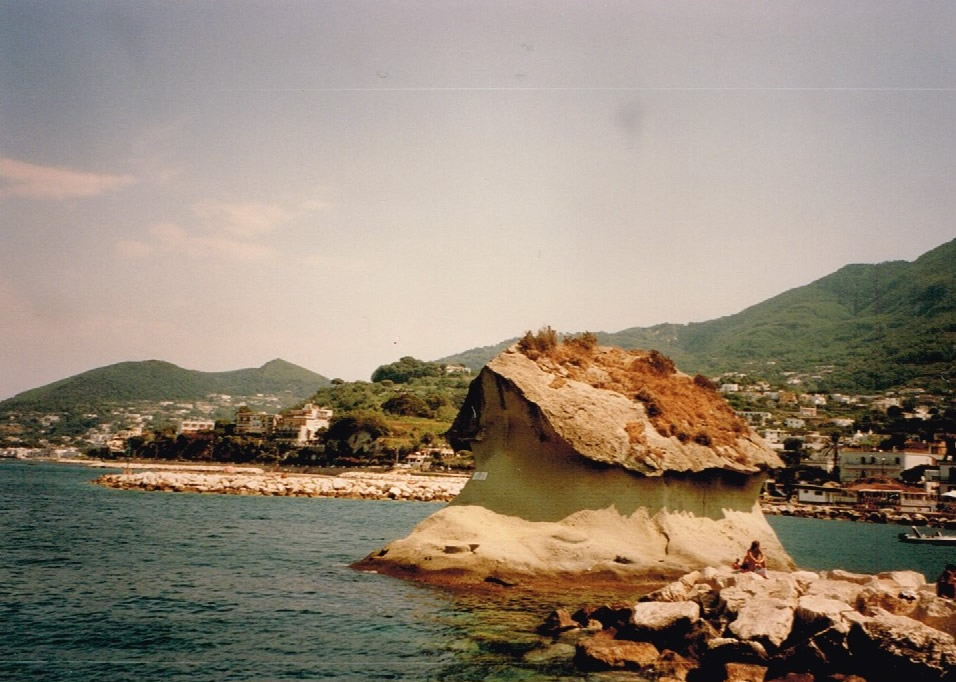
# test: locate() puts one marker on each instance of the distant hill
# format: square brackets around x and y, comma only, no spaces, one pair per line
[878,326]
[155,380]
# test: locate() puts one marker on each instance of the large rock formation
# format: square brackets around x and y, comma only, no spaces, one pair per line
[593,461]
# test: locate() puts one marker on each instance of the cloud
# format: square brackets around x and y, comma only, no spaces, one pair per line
[239,231]
[172,238]
[245,220]
[132,249]
[31,181]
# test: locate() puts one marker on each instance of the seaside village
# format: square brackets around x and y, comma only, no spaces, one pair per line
[847,472]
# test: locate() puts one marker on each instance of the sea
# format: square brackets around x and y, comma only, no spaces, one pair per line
[105,584]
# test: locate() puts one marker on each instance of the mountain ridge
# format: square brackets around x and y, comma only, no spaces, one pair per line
[879,326]
[161,380]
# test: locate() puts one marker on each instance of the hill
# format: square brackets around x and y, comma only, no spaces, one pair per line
[153,380]
[861,328]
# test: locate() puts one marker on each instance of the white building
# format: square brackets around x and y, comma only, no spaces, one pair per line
[823,494]
[196,425]
[856,465]
[756,418]
[302,425]
[254,423]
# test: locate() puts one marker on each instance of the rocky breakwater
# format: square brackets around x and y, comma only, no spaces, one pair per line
[592,464]
[355,485]
[713,625]
[944,520]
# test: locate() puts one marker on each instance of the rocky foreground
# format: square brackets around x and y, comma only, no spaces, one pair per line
[714,625]
[354,485]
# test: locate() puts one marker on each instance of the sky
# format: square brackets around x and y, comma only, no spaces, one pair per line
[341,183]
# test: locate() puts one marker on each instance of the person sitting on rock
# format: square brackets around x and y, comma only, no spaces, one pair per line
[946,582]
[755,560]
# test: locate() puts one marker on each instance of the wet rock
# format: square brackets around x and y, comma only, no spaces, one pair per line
[744,672]
[552,652]
[616,616]
[721,650]
[603,652]
[558,621]
[672,666]
[795,677]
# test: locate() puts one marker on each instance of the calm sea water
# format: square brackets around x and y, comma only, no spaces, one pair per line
[102,584]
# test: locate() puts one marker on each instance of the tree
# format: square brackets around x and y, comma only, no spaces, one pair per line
[356,434]
[408,405]
[793,451]
[406,369]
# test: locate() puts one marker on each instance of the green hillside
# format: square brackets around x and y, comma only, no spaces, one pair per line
[871,327]
[154,380]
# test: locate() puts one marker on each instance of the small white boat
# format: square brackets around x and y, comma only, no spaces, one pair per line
[936,538]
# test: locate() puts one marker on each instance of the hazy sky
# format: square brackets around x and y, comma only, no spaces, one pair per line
[340,183]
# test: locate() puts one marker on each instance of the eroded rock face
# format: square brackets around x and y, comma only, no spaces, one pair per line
[595,461]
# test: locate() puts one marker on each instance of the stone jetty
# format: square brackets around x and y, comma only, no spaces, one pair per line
[715,625]
[944,520]
[354,485]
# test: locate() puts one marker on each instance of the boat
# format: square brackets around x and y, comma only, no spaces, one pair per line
[936,538]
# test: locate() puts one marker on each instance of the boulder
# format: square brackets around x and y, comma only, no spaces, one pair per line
[603,652]
[750,587]
[911,580]
[666,624]
[672,666]
[744,672]
[815,613]
[721,650]
[767,620]
[890,647]
[594,463]
[935,612]
[841,590]
[610,616]
[655,617]
[558,621]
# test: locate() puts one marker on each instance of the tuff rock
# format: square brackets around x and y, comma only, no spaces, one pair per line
[593,463]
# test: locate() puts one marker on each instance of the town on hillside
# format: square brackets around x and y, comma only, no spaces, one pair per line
[893,449]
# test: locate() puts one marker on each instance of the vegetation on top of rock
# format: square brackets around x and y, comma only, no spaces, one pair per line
[676,404]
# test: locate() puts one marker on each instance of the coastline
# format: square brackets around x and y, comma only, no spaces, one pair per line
[226,479]
[844,513]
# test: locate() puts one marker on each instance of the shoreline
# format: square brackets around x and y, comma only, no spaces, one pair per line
[230,479]
[844,513]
